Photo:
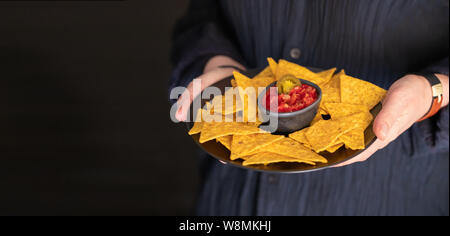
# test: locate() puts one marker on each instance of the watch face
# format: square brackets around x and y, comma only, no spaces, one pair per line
[438,91]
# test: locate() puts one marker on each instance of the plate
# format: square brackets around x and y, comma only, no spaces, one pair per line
[221,153]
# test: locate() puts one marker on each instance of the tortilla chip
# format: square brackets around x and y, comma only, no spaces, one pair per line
[267,72]
[286,67]
[325,133]
[322,134]
[226,141]
[335,81]
[258,82]
[242,145]
[317,118]
[213,130]
[273,66]
[300,136]
[290,147]
[354,139]
[327,74]
[266,158]
[339,110]
[198,123]
[233,83]
[231,101]
[335,147]
[248,92]
[330,94]
[360,92]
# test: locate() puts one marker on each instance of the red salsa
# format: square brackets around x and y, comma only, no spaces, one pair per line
[298,98]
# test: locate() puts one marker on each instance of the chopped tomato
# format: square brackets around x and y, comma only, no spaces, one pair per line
[299,97]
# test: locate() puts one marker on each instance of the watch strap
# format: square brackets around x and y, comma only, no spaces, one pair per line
[437,93]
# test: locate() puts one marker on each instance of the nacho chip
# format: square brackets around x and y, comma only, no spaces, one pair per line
[226,141]
[354,139]
[198,123]
[335,147]
[339,110]
[300,136]
[213,130]
[327,74]
[286,67]
[331,91]
[317,118]
[330,94]
[248,92]
[266,158]
[335,81]
[325,133]
[267,72]
[231,102]
[258,82]
[233,83]
[273,66]
[292,148]
[360,92]
[242,145]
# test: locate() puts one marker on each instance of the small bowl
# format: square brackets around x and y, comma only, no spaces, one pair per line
[292,121]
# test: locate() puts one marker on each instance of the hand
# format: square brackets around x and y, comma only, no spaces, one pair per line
[211,74]
[407,100]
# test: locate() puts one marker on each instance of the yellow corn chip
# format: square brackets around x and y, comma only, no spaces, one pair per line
[248,92]
[339,110]
[300,136]
[226,141]
[268,158]
[354,139]
[285,67]
[331,90]
[233,83]
[198,123]
[335,81]
[335,147]
[273,66]
[213,130]
[229,103]
[317,118]
[242,145]
[327,74]
[360,92]
[292,148]
[267,72]
[324,134]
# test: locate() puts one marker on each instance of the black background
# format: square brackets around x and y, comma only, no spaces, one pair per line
[84,111]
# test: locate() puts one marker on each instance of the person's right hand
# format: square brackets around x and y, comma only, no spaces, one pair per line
[211,74]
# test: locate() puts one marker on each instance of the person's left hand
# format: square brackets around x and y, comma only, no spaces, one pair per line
[407,100]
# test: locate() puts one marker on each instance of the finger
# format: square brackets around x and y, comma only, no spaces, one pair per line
[184,102]
[378,144]
[205,80]
[387,122]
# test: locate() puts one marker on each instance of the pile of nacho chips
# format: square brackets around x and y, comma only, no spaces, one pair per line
[343,116]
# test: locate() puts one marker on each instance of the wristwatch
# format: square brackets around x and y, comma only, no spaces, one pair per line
[437,92]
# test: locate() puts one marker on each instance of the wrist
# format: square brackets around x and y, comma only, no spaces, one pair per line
[432,88]
[426,95]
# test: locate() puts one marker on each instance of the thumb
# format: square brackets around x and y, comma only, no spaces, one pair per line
[386,121]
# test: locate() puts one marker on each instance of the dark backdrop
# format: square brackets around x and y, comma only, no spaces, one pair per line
[84,114]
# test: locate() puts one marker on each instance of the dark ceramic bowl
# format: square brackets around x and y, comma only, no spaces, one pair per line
[292,121]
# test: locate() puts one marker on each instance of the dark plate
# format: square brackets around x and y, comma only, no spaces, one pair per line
[221,153]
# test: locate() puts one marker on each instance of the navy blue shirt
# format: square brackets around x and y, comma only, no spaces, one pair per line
[376,40]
